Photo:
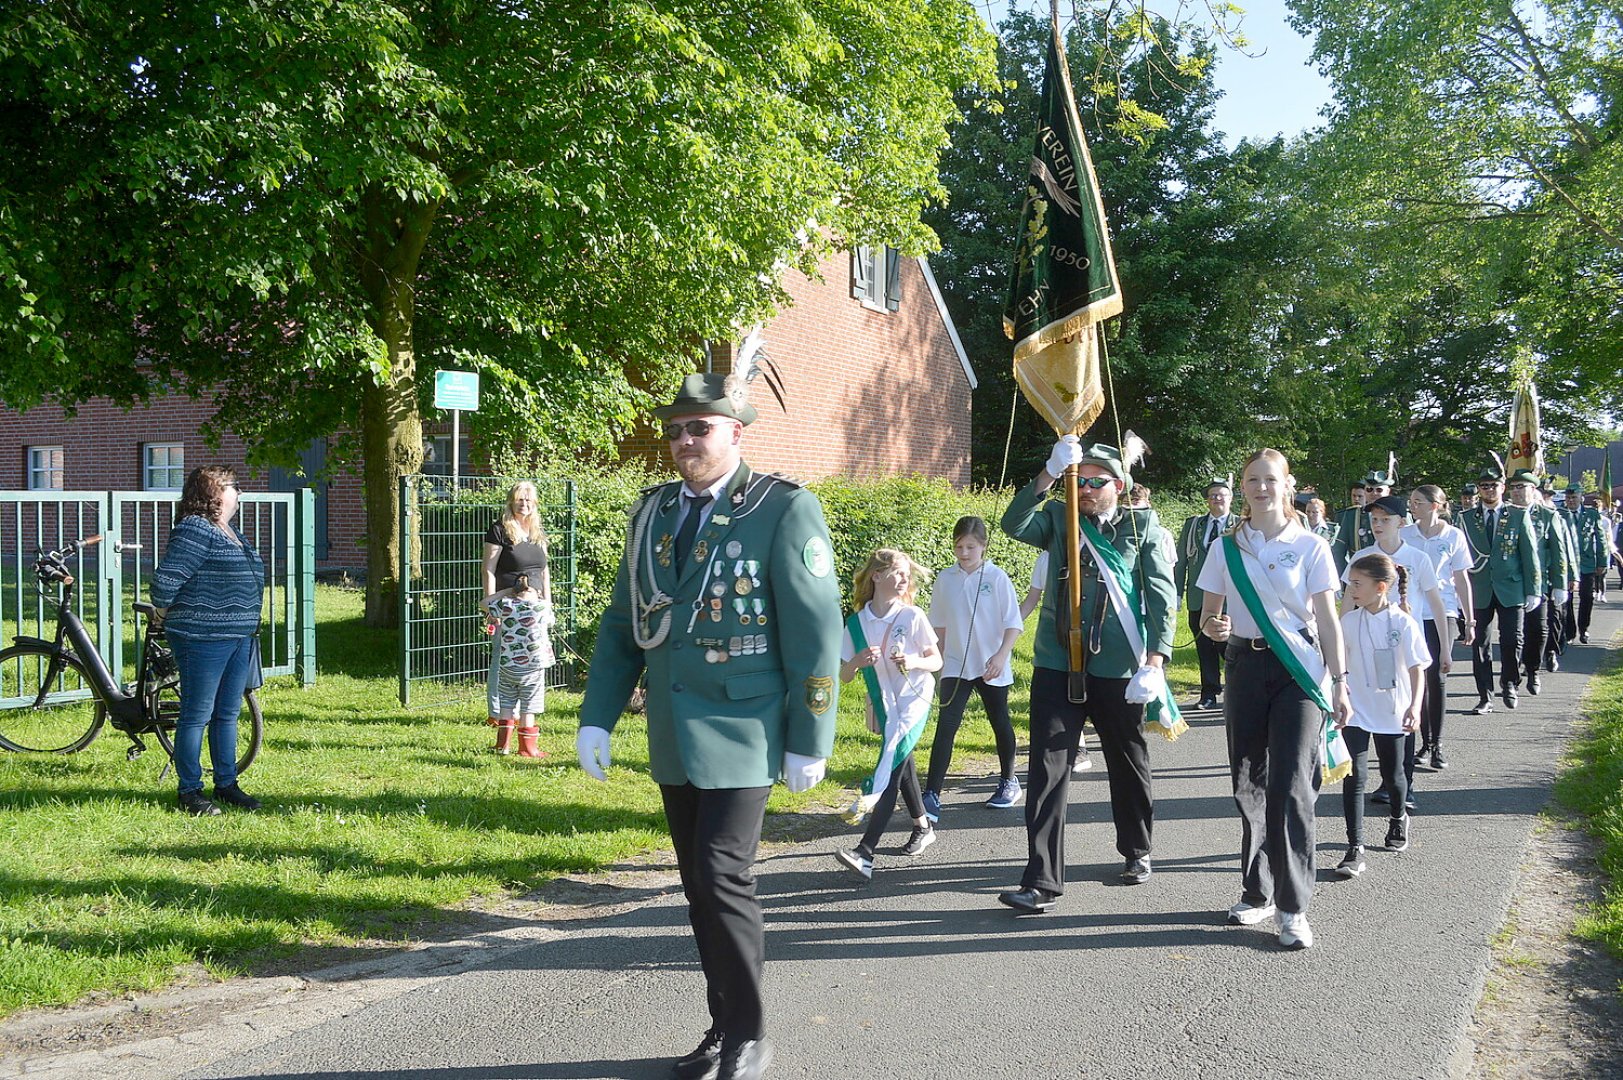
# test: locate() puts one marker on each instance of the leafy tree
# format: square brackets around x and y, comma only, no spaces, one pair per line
[298,204]
[1200,244]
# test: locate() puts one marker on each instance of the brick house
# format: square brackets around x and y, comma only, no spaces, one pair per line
[875,380]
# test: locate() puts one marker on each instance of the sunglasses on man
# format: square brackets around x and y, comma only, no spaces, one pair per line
[1094,482]
[697,428]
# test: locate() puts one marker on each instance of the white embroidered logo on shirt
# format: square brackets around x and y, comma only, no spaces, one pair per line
[1287,558]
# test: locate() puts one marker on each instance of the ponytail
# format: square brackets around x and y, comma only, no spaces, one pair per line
[1403,585]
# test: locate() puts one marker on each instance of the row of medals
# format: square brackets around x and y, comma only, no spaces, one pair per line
[750,610]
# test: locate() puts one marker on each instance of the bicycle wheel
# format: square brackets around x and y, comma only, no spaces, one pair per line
[69,718]
[250,727]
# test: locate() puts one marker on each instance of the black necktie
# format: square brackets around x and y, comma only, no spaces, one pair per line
[690,526]
[1211,529]
[1493,521]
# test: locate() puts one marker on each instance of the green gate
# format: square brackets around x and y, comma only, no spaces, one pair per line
[135,526]
[444,650]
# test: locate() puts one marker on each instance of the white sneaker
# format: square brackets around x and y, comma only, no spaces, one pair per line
[1244,914]
[1083,762]
[1294,932]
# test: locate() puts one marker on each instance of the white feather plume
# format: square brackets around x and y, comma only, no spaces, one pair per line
[748,351]
[1133,450]
[1497,460]
[1391,468]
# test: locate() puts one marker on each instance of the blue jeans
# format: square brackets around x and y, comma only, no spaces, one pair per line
[213,676]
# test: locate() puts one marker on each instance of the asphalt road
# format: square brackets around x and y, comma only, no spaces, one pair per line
[923,974]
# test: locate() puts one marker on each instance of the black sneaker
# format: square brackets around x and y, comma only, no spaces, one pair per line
[1380,795]
[1397,834]
[235,796]
[1352,864]
[923,836]
[1438,762]
[1583,637]
[197,804]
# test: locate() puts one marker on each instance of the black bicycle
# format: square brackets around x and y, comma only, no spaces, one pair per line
[68,693]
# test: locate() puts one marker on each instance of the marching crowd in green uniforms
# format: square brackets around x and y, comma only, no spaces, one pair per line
[726,610]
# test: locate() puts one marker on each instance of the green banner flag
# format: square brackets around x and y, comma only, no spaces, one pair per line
[1063,282]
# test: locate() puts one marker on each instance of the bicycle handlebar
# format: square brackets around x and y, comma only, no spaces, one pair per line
[53,566]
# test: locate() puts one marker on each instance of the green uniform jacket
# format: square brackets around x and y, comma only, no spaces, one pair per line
[1550,537]
[1353,533]
[1328,533]
[1041,523]
[725,723]
[1594,552]
[1510,571]
[1192,552]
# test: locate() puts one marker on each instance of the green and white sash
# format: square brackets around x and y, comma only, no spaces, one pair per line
[898,740]
[1161,714]
[1302,659]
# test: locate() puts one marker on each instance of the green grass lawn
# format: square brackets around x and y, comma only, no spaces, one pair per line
[377,819]
[1592,786]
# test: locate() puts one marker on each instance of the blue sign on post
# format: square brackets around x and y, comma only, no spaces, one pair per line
[456,390]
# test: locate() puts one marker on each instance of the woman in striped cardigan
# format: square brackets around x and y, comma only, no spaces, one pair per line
[208,590]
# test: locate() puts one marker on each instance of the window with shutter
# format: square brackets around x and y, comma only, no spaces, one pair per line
[893,279]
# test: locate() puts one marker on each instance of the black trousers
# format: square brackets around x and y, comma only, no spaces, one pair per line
[1509,620]
[716,832]
[1210,655]
[1535,635]
[1056,727]
[1588,586]
[904,780]
[954,699]
[1432,708]
[1389,749]
[1273,735]
[1569,613]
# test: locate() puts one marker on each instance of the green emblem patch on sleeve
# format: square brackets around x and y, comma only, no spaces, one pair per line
[817,557]
[819,693]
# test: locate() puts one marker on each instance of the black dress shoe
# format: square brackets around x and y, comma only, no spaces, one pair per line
[745,1061]
[235,796]
[1438,762]
[1553,664]
[703,1062]
[197,804]
[1534,684]
[1483,706]
[1136,871]
[1583,637]
[1509,694]
[1029,901]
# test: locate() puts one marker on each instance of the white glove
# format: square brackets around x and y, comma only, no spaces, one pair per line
[1558,597]
[1533,602]
[1146,685]
[1067,452]
[592,747]
[803,773]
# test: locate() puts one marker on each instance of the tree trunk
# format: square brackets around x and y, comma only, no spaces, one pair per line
[391,428]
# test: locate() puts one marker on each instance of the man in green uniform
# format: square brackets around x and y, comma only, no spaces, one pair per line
[1594,556]
[1523,491]
[1562,624]
[1117,682]
[726,597]
[1505,583]
[1194,542]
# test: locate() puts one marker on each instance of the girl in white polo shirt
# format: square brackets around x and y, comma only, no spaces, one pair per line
[976,615]
[1273,708]
[1451,559]
[1386,673]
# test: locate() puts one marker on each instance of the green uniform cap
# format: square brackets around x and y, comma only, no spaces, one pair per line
[1524,476]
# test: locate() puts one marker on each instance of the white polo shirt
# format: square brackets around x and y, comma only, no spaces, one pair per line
[1377,710]
[975,609]
[1449,551]
[1422,577]
[1298,564]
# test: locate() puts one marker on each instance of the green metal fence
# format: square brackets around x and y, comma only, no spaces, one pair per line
[112,575]
[444,650]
